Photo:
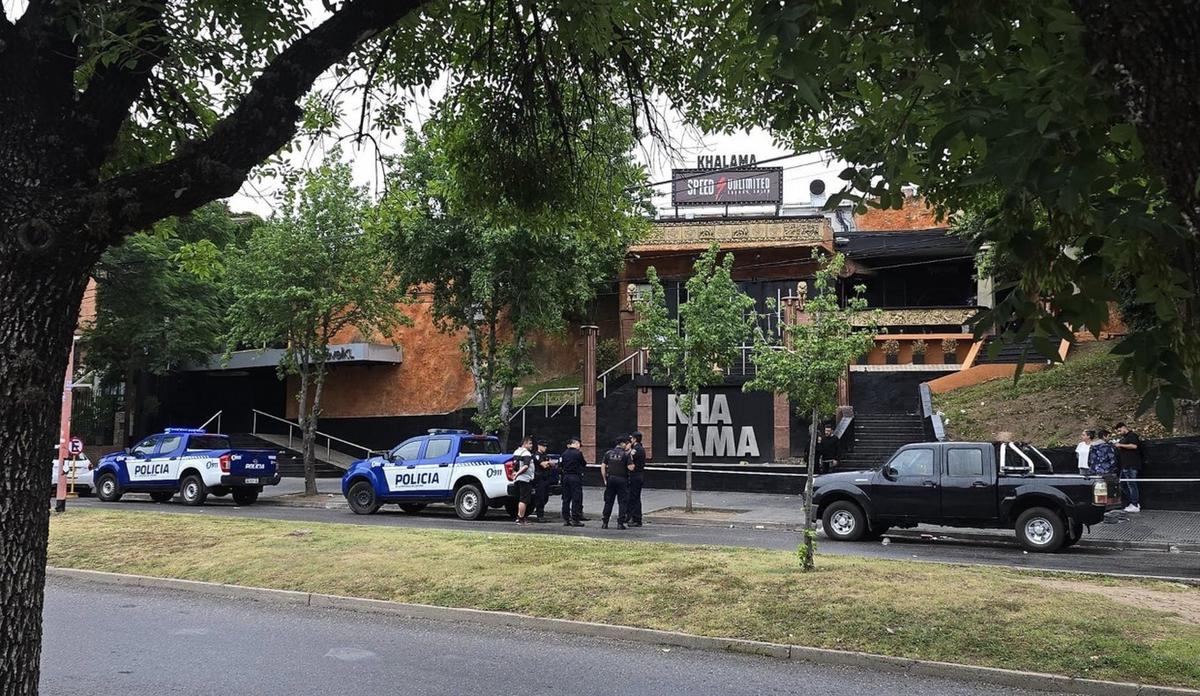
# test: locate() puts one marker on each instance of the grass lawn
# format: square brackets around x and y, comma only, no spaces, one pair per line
[1051,407]
[1100,629]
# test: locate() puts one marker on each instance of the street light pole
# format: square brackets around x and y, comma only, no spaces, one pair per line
[64,431]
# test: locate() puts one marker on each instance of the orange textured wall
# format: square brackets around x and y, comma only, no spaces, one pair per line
[914,215]
[432,378]
[87,307]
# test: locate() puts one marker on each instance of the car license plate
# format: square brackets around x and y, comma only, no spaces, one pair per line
[252,480]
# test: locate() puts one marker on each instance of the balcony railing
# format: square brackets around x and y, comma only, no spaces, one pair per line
[919,316]
[701,233]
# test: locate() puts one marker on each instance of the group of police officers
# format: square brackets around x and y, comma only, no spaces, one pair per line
[622,468]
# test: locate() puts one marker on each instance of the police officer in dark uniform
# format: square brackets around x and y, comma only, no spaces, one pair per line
[541,480]
[637,477]
[614,469]
[571,469]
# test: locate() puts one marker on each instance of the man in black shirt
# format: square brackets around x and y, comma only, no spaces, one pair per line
[827,451]
[1129,454]
[637,478]
[541,480]
[614,469]
[571,468]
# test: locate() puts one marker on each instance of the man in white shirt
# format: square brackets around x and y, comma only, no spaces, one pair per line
[523,478]
[1082,450]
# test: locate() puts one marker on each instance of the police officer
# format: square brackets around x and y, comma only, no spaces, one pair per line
[541,480]
[571,469]
[637,477]
[614,469]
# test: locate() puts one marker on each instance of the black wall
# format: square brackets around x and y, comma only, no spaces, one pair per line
[187,399]
[887,392]
[1176,457]
[616,414]
[701,481]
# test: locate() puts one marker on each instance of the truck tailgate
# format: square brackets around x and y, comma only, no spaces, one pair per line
[252,463]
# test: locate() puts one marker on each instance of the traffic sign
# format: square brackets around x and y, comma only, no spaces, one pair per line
[75,446]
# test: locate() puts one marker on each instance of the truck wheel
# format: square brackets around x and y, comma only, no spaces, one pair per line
[245,496]
[412,508]
[362,498]
[192,490]
[470,503]
[844,521]
[1041,529]
[510,507]
[107,488]
[162,496]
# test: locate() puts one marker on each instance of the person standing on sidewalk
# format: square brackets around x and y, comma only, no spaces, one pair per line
[571,469]
[523,478]
[541,481]
[827,451]
[1129,453]
[1102,457]
[614,470]
[1082,450]
[637,478]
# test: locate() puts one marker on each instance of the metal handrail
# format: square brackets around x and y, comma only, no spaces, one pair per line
[545,393]
[329,439]
[603,376]
[217,417]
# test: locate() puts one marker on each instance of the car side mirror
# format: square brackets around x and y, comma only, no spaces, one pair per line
[890,473]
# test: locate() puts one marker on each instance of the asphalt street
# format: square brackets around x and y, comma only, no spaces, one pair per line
[105,640]
[1085,559]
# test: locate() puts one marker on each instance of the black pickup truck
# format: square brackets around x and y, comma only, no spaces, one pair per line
[964,484]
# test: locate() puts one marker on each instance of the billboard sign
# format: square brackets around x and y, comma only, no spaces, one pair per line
[741,186]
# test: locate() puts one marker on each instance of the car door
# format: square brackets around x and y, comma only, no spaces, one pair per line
[139,465]
[406,476]
[165,460]
[907,488]
[968,484]
[437,464]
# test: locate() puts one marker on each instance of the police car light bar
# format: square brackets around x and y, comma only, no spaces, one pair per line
[448,431]
[185,431]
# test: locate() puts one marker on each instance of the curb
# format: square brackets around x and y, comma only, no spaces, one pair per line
[991,675]
[311,504]
[688,522]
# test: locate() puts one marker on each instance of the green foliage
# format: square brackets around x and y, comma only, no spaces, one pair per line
[993,109]
[714,322]
[500,271]
[820,348]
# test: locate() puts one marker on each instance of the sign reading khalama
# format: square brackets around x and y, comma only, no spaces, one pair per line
[742,186]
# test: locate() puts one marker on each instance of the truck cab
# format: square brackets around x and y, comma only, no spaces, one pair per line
[963,484]
[452,467]
[188,461]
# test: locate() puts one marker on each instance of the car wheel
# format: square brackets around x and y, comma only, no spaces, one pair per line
[162,496]
[245,496]
[412,508]
[1041,529]
[510,507]
[192,490]
[469,502]
[844,521]
[107,488]
[362,498]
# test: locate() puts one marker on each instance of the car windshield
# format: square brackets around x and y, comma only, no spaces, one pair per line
[479,445]
[208,442]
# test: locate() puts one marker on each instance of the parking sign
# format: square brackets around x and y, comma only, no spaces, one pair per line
[75,446]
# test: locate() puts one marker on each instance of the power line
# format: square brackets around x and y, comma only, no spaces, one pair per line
[738,167]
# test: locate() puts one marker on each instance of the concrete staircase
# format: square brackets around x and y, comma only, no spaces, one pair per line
[1009,354]
[877,436]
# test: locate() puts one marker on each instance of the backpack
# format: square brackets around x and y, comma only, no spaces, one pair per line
[614,463]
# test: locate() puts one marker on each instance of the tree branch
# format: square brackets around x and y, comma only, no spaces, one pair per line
[263,122]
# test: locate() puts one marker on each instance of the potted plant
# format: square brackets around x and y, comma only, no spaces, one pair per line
[918,351]
[950,351]
[891,349]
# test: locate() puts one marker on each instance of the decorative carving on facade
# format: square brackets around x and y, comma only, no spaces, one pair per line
[920,317]
[678,233]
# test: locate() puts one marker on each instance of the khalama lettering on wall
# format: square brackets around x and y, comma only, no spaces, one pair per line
[730,426]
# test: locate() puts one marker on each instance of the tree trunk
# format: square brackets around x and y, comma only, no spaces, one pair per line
[688,441]
[310,435]
[810,527]
[40,314]
[302,411]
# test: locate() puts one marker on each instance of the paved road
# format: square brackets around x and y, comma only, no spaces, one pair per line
[1090,559]
[105,640]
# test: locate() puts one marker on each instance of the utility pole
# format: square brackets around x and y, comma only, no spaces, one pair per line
[64,431]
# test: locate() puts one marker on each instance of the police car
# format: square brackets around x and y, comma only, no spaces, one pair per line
[454,467]
[187,461]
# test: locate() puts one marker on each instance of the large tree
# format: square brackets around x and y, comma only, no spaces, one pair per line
[119,113]
[501,271]
[1063,127]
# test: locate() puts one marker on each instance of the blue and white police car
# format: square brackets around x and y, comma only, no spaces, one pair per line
[454,467]
[187,461]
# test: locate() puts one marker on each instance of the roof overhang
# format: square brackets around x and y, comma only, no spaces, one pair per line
[341,354]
